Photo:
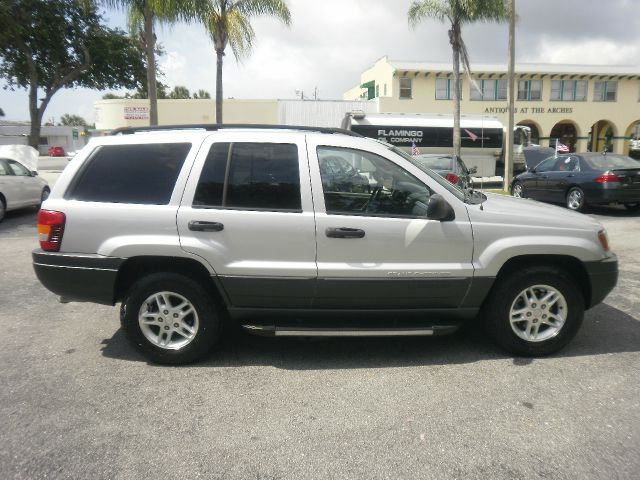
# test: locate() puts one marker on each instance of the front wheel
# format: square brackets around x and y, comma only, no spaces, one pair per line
[535,311]
[170,318]
[575,199]
[517,190]
[43,196]
[632,207]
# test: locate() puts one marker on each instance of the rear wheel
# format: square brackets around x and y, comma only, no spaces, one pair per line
[44,196]
[3,209]
[517,190]
[632,207]
[535,311]
[575,199]
[170,318]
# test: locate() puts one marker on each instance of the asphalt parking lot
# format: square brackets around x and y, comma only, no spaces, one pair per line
[76,401]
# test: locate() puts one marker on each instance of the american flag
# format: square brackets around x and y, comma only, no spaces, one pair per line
[414,149]
[561,147]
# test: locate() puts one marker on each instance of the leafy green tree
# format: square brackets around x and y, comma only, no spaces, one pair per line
[70,120]
[179,92]
[202,94]
[458,13]
[228,24]
[47,45]
[142,15]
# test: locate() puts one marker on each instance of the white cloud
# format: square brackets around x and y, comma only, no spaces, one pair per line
[590,52]
[330,42]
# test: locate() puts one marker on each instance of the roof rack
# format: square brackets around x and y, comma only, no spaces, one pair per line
[216,126]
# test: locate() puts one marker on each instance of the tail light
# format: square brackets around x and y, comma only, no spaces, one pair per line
[452,177]
[604,240]
[608,177]
[50,229]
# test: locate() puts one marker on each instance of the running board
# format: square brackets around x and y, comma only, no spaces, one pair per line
[276,331]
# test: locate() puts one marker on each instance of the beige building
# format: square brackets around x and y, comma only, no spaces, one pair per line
[585,107]
[112,114]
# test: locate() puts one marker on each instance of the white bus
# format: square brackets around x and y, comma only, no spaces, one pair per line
[482,138]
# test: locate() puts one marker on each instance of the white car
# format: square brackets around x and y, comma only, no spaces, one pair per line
[20,185]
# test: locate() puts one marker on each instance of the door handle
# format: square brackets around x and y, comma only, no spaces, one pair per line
[570,175]
[343,232]
[198,226]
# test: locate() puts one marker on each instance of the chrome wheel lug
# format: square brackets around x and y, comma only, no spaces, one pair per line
[175,315]
[528,314]
[166,327]
[533,305]
[175,325]
[161,320]
[166,312]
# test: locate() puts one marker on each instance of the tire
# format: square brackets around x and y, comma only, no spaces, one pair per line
[43,196]
[521,336]
[3,209]
[575,199]
[632,207]
[517,190]
[148,325]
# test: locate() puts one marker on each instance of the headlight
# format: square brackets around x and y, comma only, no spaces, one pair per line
[604,240]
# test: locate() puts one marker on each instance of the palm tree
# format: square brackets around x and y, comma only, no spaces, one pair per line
[228,23]
[457,13]
[142,15]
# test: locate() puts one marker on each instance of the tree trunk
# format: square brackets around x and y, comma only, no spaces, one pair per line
[150,45]
[219,55]
[508,144]
[454,38]
[34,115]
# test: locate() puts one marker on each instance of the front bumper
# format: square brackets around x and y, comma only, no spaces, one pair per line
[603,276]
[79,277]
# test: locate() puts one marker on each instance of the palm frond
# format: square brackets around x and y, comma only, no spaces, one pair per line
[466,64]
[240,33]
[272,8]
[421,9]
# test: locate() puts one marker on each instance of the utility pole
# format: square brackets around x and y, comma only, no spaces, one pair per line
[508,157]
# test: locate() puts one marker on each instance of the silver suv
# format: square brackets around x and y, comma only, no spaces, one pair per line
[191,228]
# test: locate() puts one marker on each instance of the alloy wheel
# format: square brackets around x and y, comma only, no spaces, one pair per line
[538,313]
[168,320]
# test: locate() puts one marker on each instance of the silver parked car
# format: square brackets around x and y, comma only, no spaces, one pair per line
[188,228]
[20,187]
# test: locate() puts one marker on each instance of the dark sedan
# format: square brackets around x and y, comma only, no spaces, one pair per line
[448,166]
[579,179]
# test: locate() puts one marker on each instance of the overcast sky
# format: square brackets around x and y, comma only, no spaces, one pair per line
[331,42]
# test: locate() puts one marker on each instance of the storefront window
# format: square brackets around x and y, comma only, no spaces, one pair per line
[501,91]
[605,91]
[443,89]
[569,90]
[489,90]
[405,87]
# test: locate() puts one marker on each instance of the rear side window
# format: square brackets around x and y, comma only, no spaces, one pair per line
[140,174]
[253,176]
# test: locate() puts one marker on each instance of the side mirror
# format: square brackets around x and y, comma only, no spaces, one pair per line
[34,173]
[473,170]
[439,209]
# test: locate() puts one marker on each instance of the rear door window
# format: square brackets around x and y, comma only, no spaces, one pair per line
[138,174]
[252,176]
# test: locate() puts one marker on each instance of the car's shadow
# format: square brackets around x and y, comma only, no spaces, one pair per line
[20,220]
[605,330]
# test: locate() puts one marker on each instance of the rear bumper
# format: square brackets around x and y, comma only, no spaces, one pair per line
[614,195]
[603,276]
[82,278]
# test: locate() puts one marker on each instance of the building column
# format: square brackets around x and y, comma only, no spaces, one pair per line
[581,144]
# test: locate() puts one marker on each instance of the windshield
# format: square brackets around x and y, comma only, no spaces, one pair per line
[445,183]
[611,161]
